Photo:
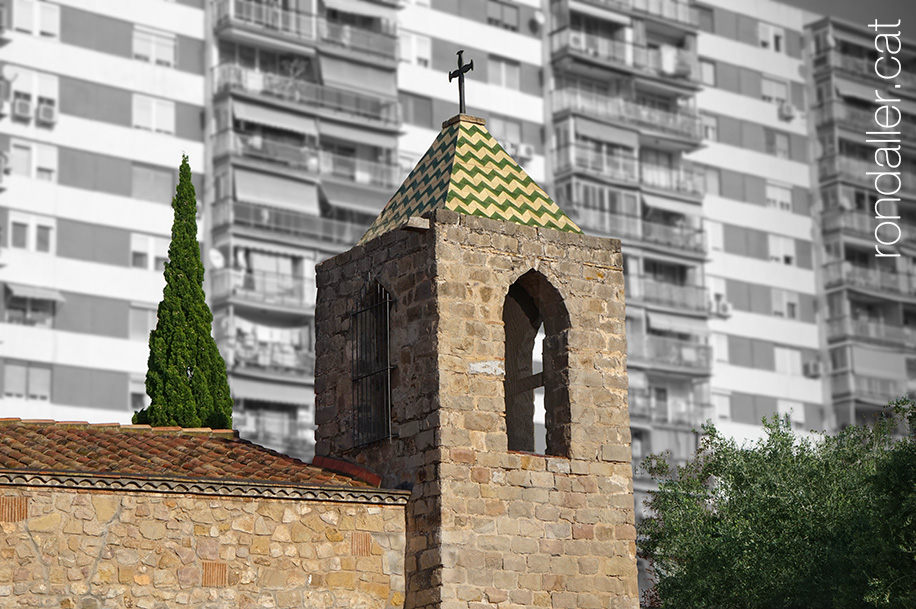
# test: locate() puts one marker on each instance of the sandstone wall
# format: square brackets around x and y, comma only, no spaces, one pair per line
[74,549]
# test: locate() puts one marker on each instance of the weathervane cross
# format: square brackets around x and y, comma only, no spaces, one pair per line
[459,74]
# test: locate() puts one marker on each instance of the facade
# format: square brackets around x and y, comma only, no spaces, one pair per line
[869,330]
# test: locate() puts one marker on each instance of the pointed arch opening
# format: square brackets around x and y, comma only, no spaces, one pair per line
[533,305]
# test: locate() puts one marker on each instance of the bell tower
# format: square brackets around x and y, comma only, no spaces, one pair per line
[425,339]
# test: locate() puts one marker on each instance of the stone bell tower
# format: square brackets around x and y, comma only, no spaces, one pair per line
[425,333]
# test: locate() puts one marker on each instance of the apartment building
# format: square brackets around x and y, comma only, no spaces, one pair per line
[100,101]
[869,330]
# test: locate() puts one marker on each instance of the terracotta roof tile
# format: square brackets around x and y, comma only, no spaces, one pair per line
[160,453]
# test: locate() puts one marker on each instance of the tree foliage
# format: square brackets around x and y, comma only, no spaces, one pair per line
[186,376]
[788,521]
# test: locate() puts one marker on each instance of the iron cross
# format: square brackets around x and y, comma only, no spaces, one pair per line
[459,74]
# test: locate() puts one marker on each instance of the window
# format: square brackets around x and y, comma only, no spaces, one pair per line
[147,252]
[154,47]
[779,197]
[504,72]
[777,143]
[712,181]
[705,19]
[720,347]
[716,235]
[33,309]
[774,91]
[32,86]
[505,130]
[415,49]
[794,410]
[371,366]
[417,110]
[138,399]
[142,321]
[708,73]
[771,37]
[32,232]
[502,14]
[723,405]
[782,249]
[27,382]
[152,184]
[710,127]
[154,114]
[21,159]
[785,303]
[788,360]
[36,18]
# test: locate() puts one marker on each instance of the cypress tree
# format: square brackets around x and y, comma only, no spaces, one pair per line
[186,376]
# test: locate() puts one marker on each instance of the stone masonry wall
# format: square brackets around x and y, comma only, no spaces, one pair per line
[487,526]
[97,550]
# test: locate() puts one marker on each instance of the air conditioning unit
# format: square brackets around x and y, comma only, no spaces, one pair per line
[47,114]
[22,109]
[813,369]
[525,151]
[786,111]
[577,40]
[724,308]
[511,148]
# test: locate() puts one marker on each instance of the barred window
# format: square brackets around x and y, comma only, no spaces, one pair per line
[371,367]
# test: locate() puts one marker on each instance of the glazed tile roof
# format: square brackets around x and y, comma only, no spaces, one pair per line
[466,170]
[162,453]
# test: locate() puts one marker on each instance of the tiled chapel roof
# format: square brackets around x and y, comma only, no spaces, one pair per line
[467,171]
[159,453]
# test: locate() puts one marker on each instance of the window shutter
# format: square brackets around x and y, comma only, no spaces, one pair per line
[40,384]
[14,380]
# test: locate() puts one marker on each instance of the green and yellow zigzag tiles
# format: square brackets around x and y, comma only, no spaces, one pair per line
[466,170]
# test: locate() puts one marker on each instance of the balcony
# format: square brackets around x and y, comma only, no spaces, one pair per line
[867,388]
[250,353]
[358,39]
[582,157]
[855,170]
[383,175]
[284,222]
[669,62]
[871,279]
[259,147]
[684,297]
[309,94]
[679,124]
[261,288]
[870,330]
[862,225]
[683,180]
[643,407]
[672,10]
[678,237]
[268,17]
[861,67]
[670,352]
[623,226]
[857,119]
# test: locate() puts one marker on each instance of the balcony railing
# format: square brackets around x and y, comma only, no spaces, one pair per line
[270,17]
[849,168]
[690,297]
[682,180]
[666,351]
[681,124]
[269,357]
[875,279]
[231,76]
[361,171]
[281,221]
[860,67]
[581,157]
[256,146]
[358,39]
[668,9]
[643,406]
[858,119]
[261,287]
[670,62]
[633,227]
[679,237]
[866,329]
[867,387]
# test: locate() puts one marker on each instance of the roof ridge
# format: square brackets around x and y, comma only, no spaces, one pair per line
[191,431]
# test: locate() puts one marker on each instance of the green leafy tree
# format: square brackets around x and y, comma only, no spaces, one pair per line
[186,376]
[788,521]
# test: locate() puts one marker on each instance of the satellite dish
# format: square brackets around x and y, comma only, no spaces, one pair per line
[217,260]
[539,17]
